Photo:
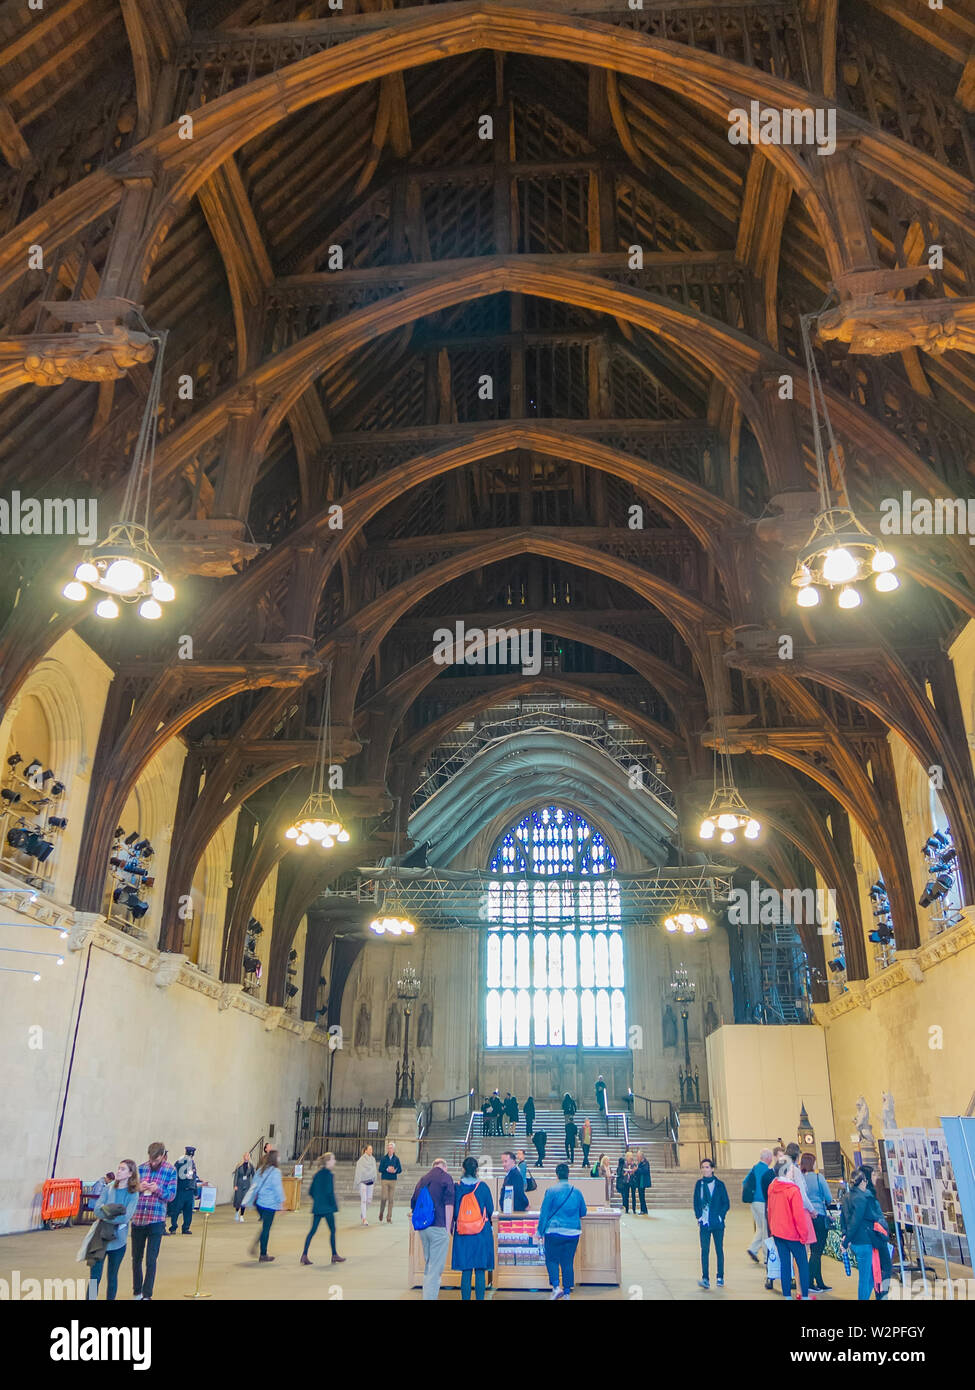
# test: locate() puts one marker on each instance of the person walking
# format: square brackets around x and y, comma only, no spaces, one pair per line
[601,1094]
[389,1170]
[472,1253]
[243,1176]
[767,1178]
[506,1114]
[559,1229]
[711,1205]
[529,1109]
[569,1106]
[186,1184]
[266,1196]
[790,1226]
[622,1186]
[522,1166]
[323,1204]
[513,1180]
[366,1172]
[821,1197]
[571,1132]
[540,1139]
[121,1195]
[497,1112]
[512,1114]
[585,1140]
[752,1194]
[641,1179]
[860,1213]
[432,1205]
[603,1168]
[487,1118]
[157,1188]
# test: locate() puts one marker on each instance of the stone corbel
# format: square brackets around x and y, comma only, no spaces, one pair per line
[169,967]
[911,965]
[858,988]
[83,929]
[273,1017]
[308,1028]
[227,996]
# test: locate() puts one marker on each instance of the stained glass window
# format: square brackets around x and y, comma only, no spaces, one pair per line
[554,956]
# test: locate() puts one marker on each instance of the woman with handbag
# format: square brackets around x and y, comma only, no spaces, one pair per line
[559,1229]
[791,1227]
[472,1253]
[366,1173]
[819,1194]
[266,1195]
[863,1229]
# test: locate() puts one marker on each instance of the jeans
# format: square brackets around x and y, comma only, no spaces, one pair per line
[267,1215]
[816,1253]
[315,1223]
[114,1259]
[789,1250]
[145,1240]
[585,1151]
[865,1284]
[709,1233]
[761,1227]
[540,1150]
[434,1241]
[480,1276]
[570,1149]
[365,1197]
[560,1254]
[387,1195]
[639,1188]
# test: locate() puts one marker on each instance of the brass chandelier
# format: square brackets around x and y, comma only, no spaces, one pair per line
[318,821]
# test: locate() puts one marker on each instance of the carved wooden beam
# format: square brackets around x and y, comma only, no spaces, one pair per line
[874,327]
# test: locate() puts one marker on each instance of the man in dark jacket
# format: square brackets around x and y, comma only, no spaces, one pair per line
[571,1133]
[600,1094]
[389,1170]
[569,1106]
[514,1180]
[711,1206]
[512,1112]
[186,1184]
[539,1139]
[323,1204]
[497,1111]
[529,1108]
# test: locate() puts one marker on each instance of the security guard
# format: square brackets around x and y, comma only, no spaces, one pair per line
[186,1185]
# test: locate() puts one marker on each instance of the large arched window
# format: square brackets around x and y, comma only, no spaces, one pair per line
[554,959]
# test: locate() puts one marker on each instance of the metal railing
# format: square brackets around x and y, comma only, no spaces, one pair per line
[348,1122]
[428,1112]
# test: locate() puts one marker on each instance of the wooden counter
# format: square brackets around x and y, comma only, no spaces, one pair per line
[597,1257]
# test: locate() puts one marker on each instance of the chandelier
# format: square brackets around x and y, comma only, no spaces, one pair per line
[393,918]
[393,926]
[124,565]
[318,821]
[683,990]
[840,553]
[686,919]
[727,815]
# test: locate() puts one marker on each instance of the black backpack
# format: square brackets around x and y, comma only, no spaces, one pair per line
[748,1188]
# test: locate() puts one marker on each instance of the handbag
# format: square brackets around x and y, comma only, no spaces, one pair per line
[530,1184]
[772,1263]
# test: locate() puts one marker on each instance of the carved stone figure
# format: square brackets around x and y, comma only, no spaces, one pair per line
[887,1117]
[670,1027]
[392,1026]
[424,1032]
[362,1026]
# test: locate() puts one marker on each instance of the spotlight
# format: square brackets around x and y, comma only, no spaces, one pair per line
[14,759]
[291,990]
[9,796]
[883,936]
[57,788]
[131,839]
[59,822]
[878,890]
[33,768]
[837,964]
[254,926]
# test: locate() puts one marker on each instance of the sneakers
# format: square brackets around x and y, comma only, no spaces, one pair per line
[720,1283]
[137,1298]
[556,1293]
[363,1223]
[704,1283]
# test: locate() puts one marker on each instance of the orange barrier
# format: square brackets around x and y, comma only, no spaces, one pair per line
[61,1199]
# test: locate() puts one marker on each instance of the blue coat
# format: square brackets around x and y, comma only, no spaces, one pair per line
[473,1252]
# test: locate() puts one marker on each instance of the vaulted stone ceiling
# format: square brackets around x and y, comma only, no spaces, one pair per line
[489,384]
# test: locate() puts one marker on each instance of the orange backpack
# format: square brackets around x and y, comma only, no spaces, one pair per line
[470,1217]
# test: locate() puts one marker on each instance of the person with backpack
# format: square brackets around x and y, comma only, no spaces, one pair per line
[540,1139]
[473,1247]
[266,1195]
[432,1205]
[571,1131]
[323,1204]
[752,1195]
[529,1109]
[559,1229]
[585,1139]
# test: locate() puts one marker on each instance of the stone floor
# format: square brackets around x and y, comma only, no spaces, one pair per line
[660,1259]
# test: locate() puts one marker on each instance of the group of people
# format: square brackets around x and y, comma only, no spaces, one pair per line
[632,1179]
[794,1209]
[136,1199]
[501,1116]
[464,1209]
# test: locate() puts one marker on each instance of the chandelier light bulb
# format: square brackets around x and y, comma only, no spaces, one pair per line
[75,591]
[327,842]
[882,562]
[752,830]
[107,608]
[302,840]
[670,925]
[727,838]
[291,833]
[124,576]
[706,831]
[36,978]
[343,837]
[727,821]
[86,572]
[150,609]
[839,566]
[848,598]
[808,596]
[315,829]
[162,590]
[886,582]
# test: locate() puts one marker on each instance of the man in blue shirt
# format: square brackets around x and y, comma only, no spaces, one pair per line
[752,1192]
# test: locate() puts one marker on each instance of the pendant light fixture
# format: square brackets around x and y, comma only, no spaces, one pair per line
[124,566]
[727,815]
[841,553]
[684,917]
[392,918]
[318,821]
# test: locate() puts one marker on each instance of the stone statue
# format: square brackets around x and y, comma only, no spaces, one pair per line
[888,1119]
[869,1154]
[670,1027]
[710,1018]
[861,1120]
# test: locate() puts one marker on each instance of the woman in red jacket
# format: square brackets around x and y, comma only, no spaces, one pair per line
[791,1227]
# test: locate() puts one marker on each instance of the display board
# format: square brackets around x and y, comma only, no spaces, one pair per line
[923,1186]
